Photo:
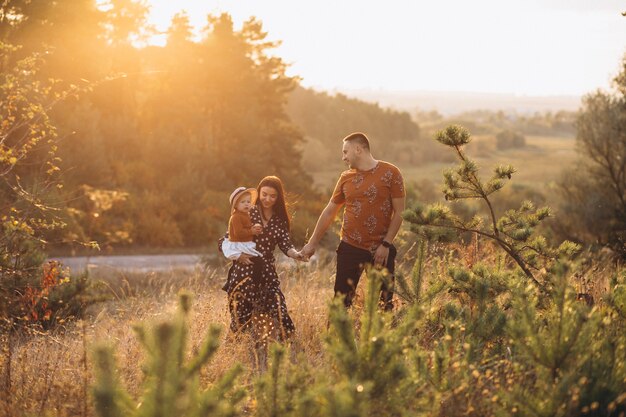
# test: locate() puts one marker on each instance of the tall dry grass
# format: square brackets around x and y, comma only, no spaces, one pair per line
[50,373]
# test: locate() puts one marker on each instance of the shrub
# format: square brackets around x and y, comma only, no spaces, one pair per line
[508,139]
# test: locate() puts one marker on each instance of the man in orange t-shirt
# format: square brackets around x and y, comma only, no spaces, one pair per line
[373,194]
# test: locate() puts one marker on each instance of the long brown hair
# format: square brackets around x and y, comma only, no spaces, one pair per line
[280,208]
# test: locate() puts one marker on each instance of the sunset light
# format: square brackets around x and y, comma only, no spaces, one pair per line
[554,47]
[312,208]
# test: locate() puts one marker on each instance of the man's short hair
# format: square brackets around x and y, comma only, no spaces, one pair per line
[359,138]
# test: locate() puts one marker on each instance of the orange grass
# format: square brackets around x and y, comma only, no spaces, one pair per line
[50,373]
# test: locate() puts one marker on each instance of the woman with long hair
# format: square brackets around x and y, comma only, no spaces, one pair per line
[255,301]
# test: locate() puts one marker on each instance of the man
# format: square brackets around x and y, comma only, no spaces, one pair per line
[373,194]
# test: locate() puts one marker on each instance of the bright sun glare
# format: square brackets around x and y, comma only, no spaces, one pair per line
[532,48]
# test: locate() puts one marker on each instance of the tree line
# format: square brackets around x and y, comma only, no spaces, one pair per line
[145,143]
[158,136]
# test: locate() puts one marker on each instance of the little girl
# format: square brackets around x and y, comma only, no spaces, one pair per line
[240,228]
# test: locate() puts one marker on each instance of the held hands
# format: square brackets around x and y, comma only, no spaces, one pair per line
[257,229]
[298,256]
[308,250]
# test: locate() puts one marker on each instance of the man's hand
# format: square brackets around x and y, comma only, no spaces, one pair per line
[380,256]
[324,221]
[298,256]
[308,250]
[257,229]
[244,259]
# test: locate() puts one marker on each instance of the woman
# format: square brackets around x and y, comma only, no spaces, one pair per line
[258,304]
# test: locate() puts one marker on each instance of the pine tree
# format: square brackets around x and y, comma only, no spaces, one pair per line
[286,389]
[410,289]
[480,307]
[375,360]
[567,358]
[514,232]
[171,386]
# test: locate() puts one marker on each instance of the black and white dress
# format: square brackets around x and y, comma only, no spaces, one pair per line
[257,302]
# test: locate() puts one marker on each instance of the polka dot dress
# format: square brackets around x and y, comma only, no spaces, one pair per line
[259,305]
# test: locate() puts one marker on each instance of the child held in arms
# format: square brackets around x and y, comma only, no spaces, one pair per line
[241,231]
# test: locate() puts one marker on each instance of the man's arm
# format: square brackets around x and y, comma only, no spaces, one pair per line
[396,218]
[382,253]
[324,221]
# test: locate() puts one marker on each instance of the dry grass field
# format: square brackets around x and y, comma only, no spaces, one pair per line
[50,373]
[538,164]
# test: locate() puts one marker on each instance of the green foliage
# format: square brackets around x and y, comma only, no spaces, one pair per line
[29,191]
[180,125]
[476,290]
[514,231]
[296,390]
[45,298]
[618,299]
[488,122]
[171,385]
[594,191]
[411,291]
[369,372]
[325,119]
[26,138]
[285,392]
[567,356]
[373,360]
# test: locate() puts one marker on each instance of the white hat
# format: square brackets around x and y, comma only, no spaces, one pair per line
[240,191]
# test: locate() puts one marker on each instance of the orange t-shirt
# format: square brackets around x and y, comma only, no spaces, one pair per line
[367,196]
[240,227]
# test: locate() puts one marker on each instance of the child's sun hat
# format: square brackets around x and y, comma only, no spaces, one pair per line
[240,192]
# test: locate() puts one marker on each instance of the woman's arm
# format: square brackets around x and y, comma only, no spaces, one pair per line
[220,241]
[293,253]
[283,239]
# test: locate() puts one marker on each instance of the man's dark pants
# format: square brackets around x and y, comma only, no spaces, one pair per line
[351,262]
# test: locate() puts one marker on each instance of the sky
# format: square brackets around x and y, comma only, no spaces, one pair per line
[525,47]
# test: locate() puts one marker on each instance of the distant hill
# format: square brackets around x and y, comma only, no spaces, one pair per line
[449,103]
[324,119]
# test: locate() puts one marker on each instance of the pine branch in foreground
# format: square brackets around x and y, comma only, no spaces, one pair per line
[171,385]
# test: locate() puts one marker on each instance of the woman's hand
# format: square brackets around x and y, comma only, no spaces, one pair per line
[308,250]
[257,229]
[298,256]
[244,259]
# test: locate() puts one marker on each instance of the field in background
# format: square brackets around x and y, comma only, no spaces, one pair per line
[539,163]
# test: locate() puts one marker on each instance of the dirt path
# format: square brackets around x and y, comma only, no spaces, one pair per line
[136,263]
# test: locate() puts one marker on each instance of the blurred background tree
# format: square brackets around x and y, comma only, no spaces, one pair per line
[174,128]
[594,191]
